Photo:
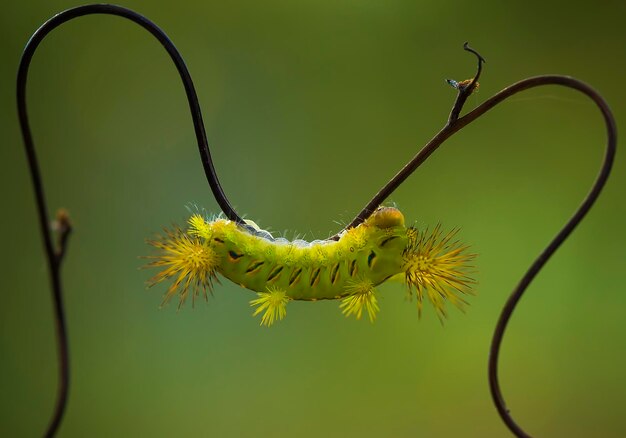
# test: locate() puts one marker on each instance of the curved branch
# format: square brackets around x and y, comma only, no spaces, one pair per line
[55,255]
[455,126]
[464,88]
[579,214]
[577,217]
[190,91]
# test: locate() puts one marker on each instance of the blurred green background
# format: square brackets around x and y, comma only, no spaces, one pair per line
[310,107]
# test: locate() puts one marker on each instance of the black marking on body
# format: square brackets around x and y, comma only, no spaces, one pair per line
[295,276]
[275,273]
[370,259]
[254,266]
[387,240]
[233,256]
[353,268]
[217,239]
[334,273]
[315,277]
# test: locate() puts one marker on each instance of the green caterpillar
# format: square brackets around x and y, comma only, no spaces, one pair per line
[348,269]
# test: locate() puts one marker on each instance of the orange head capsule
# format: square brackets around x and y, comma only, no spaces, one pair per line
[387,217]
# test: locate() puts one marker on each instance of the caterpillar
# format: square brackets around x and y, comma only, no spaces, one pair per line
[431,264]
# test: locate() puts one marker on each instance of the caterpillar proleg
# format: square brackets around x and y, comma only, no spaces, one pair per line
[431,264]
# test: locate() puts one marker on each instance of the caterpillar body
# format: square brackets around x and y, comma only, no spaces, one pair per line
[348,269]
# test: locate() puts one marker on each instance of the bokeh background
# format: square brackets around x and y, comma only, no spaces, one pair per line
[310,107]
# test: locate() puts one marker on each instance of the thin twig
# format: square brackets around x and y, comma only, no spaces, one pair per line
[577,217]
[55,255]
[456,124]
[452,125]
[465,87]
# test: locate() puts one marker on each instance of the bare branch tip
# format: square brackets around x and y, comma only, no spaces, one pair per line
[63,226]
[467,48]
[62,220]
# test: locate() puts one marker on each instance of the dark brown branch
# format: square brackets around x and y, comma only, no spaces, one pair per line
[54,254]
[577,217]
[456,124]
[464,89]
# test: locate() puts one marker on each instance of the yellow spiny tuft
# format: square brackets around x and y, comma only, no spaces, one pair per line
[362,295]
[437,266]
[287,253]
[273,303]
[223,226]
[356,238]
[199,227]
[189,259]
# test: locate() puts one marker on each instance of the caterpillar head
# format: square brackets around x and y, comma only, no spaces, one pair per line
[386,217]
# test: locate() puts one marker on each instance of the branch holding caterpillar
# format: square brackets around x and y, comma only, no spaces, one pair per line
[432,264]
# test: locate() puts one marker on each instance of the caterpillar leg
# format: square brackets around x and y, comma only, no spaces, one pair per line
[272,303]
[362,296]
